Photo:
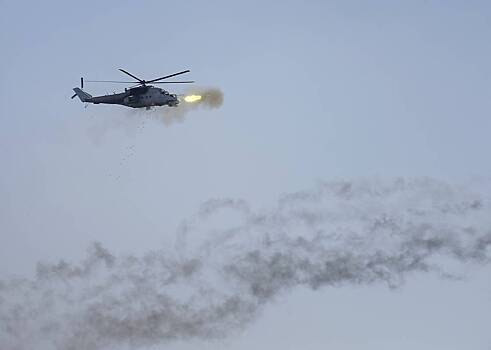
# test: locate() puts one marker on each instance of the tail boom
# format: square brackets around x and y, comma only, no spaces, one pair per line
[82,95]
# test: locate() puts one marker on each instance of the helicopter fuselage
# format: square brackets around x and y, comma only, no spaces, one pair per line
[138,97]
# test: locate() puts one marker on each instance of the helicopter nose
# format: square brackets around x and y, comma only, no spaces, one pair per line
[174,102]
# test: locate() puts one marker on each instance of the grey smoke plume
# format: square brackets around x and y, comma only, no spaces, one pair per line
[338,233]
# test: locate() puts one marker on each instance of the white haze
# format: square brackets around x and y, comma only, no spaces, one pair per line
[338,233]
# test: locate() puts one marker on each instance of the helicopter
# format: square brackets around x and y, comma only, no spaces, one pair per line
[140,95]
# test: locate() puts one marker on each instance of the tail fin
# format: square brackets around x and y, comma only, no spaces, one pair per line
[82,95]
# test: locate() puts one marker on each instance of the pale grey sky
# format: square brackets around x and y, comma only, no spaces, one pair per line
[315,90]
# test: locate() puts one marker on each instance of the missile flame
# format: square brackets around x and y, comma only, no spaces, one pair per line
[192,98]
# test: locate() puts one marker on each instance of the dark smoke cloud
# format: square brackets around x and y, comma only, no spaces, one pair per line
[339,233]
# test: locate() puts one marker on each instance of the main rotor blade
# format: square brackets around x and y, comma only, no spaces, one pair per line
[174,82]
[169,76]
[110,81]
[131,75]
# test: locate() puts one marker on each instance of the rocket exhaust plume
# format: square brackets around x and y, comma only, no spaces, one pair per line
[193,98]
[338,233]
[205,97]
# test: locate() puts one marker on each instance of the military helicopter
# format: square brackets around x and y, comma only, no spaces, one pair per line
[137,96]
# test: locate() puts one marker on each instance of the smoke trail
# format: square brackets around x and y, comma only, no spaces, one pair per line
[339,233]
[210,98]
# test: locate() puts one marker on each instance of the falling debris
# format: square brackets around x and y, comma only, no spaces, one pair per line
[339,233]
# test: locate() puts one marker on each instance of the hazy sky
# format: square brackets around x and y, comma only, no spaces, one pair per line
[314,90]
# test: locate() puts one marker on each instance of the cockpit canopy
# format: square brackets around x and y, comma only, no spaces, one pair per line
[138,90]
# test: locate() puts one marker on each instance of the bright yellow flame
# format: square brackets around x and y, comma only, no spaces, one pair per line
[192,98]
